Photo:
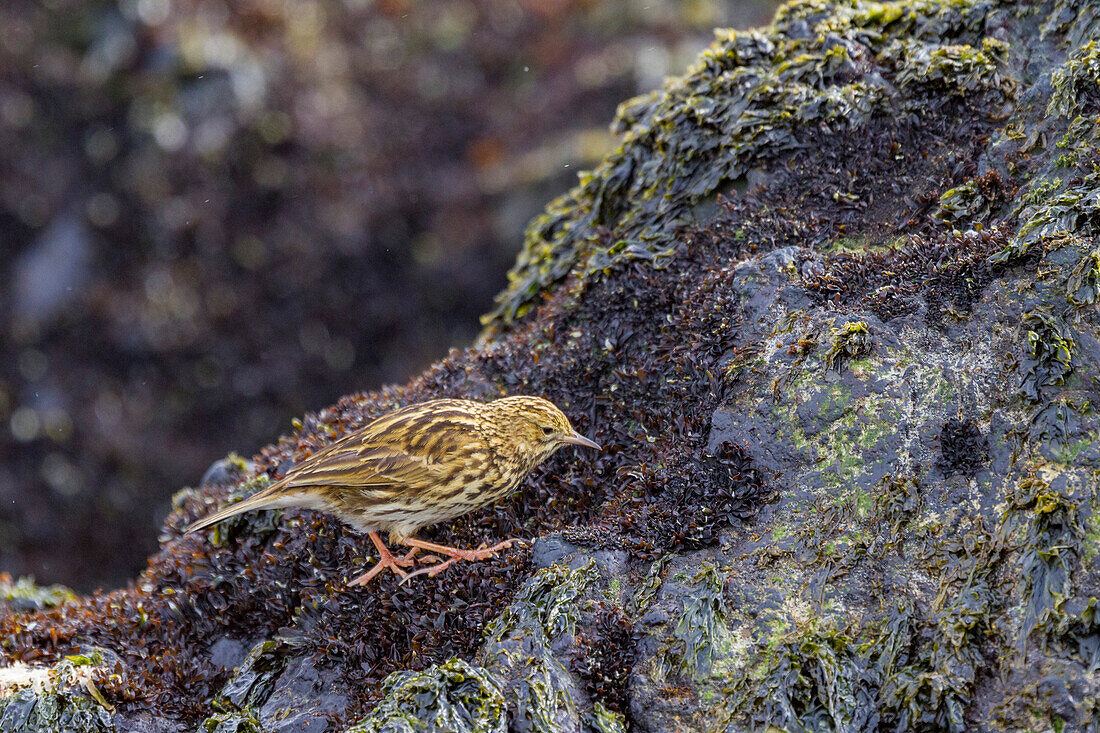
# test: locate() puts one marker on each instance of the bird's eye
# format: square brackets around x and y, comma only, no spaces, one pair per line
[547,431]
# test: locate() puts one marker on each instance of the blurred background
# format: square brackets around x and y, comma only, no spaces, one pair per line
[216,215]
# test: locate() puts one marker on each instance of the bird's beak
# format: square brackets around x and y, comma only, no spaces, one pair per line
[578,439]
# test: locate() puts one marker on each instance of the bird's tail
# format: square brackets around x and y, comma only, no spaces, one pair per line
[272,497]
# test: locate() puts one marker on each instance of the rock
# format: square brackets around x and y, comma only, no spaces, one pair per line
[850,462]
[226,471]
[228,653]
[304,698]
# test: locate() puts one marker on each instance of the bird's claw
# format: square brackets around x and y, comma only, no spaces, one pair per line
[431,571]
[481,553]
[388,561]
[378,567]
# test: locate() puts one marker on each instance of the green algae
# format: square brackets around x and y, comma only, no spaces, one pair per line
[1049,358]
[964,203]
[701,637]
[898,501]
[977,202]
[254,679]
[245,722]
[28,711]
[1075,633]
[1058,208]
[1083,281]
[959,69]
[850,341]
[933,690]
[1052,426]
[748,100]
[646,591]
[518,646]
[1041,190]
[1051,531]
[605,721]
[547,600]
[898,670]
[815,673]
[453,697]
[1076,83]
[23,594]
[1076,22]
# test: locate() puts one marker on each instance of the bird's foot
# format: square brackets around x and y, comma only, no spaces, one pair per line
[386,560]
[454,553]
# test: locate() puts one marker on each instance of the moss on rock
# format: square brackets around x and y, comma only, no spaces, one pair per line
[787,527]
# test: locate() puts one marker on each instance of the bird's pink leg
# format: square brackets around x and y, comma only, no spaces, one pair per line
[456,554]
[385,560]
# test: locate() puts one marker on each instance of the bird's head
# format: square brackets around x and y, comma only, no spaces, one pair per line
[538,426]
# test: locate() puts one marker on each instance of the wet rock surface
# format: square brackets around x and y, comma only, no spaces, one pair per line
[848,414]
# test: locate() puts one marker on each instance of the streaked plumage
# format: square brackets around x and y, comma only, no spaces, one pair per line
[419,465]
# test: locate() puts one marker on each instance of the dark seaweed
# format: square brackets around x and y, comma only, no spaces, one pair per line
[963,448]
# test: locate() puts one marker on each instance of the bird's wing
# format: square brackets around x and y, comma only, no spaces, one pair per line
[374,467]
[388,452]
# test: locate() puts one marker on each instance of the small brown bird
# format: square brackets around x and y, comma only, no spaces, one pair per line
[419,465]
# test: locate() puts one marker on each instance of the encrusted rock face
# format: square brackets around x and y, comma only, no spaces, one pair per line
[848,410]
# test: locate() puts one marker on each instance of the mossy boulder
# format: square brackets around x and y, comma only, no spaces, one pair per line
[831,310]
